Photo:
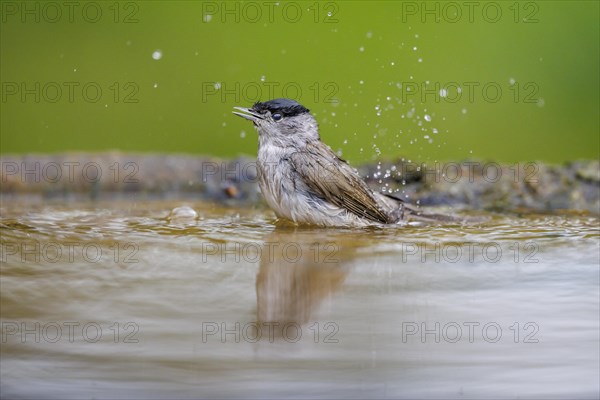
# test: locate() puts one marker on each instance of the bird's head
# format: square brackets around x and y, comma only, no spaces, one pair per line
[281,120]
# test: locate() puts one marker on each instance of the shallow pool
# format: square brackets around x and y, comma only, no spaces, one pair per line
[117,300]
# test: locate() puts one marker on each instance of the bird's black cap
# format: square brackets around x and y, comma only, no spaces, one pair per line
[287,107]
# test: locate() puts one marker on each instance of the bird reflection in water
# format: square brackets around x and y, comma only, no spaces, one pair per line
[302,271]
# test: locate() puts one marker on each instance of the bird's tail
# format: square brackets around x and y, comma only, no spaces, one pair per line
[410,213]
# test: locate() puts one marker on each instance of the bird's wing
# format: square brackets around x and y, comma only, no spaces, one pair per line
[332,179]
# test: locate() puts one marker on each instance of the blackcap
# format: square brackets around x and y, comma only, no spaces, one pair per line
[304,181]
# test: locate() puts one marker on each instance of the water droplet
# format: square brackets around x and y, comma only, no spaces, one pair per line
[443,93]
[369,35]
[512,81]
[207,18]
[420,60]
[464,110]
[243,134]
[415,48]
[427,118]
[183,212]
[217,85]
[262,78]
[157,55]
[361,49]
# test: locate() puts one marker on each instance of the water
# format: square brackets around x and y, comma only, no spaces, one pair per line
[120,301]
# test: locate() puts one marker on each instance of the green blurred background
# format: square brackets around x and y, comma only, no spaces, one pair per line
[170,72]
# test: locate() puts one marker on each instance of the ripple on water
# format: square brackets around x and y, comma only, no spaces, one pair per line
[169,276]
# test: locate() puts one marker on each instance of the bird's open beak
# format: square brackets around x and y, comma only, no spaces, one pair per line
[248,113]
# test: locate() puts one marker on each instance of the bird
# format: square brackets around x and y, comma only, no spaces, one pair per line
[304,181]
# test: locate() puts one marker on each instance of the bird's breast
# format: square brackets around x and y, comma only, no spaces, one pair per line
[276,179]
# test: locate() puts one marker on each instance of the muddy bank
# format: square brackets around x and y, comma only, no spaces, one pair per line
[478,185]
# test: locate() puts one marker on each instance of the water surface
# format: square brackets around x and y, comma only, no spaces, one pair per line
[120,301]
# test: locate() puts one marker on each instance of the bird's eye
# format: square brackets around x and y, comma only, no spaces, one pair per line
[277,117]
